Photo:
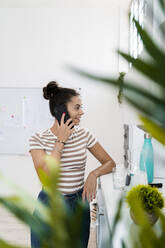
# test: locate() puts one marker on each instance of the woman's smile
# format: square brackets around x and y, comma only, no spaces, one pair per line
[77,119]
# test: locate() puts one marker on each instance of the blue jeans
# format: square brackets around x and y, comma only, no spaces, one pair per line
[71,201]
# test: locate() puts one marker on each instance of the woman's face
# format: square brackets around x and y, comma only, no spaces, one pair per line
[74,108]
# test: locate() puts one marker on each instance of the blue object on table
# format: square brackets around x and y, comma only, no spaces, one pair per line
[147,158]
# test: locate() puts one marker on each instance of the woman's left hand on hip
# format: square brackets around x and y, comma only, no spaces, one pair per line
[89,191]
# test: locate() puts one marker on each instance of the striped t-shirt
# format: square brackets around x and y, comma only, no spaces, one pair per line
[73,157]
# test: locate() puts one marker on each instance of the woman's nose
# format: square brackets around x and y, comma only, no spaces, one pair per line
[81,112]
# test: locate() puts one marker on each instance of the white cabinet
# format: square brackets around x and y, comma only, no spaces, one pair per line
[102,227]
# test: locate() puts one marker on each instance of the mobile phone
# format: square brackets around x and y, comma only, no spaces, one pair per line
[59,110]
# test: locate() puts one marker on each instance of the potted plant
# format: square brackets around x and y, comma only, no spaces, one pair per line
[151,201]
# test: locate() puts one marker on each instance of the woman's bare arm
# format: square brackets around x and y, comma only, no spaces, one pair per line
[107,163]
[38,156]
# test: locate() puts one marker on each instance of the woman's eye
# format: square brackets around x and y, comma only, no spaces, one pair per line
[77,108]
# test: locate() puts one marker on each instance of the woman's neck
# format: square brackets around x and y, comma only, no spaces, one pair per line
[54,128]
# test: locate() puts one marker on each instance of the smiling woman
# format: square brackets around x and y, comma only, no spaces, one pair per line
[69,145]
[75,109]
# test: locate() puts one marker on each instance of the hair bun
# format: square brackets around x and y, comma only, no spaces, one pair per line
[50,90]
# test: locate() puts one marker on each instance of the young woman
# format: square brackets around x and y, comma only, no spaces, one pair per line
[69,145]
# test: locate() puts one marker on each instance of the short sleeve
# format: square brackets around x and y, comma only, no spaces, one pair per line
[91,139]
[35,142]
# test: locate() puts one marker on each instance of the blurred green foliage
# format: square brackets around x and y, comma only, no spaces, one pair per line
[151,107]
[54,224]
[150,197]
[148,102]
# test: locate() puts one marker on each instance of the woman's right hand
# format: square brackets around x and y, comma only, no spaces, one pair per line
[64,129]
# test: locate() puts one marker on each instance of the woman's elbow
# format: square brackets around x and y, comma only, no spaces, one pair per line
[112,164]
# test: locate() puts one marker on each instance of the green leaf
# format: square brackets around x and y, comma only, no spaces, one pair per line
[54,170]
[123,244]
[53,165]
[153,50]
[116,219]
[4,244]
[150,70]
[44,179]
[55,202]
[157,132]
[118,83]
[146,236]
[162,227]
[145,101]
[162,4]
[146,107]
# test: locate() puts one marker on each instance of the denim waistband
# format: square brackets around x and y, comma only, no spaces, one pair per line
[78,193]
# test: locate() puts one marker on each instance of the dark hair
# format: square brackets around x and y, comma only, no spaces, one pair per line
[57,95]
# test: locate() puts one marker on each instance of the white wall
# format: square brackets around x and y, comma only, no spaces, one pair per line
[61,3]
[35,44]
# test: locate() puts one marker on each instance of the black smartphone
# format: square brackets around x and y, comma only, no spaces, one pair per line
[59,110]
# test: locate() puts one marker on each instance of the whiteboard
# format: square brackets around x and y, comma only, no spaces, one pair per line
[23,111]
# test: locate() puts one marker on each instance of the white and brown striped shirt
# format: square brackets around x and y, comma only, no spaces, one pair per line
[73,158]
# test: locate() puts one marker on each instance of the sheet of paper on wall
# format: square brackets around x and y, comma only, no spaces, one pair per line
[2,136]
[12,121]
[33,114]
[10,117]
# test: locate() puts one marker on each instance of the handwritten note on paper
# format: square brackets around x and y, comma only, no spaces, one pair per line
[12,121]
